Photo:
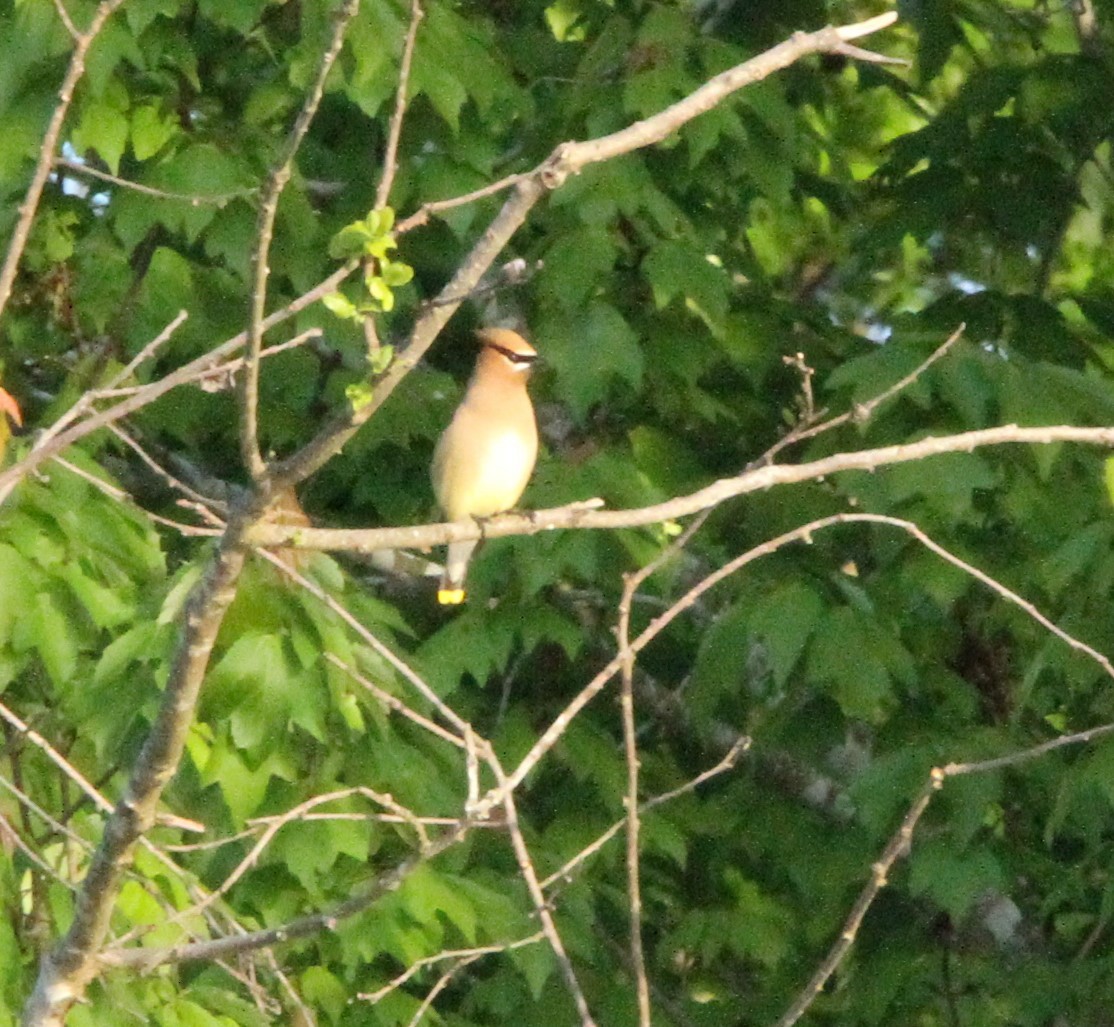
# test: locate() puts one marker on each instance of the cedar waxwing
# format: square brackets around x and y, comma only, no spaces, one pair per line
[486,455]
[10,407]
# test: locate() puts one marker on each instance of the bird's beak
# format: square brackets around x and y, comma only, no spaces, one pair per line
[10,407]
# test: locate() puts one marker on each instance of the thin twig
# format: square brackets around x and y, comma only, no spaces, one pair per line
[123,498]
[194,200]
[420,964]
[421,215]
[1025,755]
[392,702]
[174,482]
[861,412]
[303,927]
[13,837]
[56,758]
[276,825]
[30,204]
[631,584]
[44,444]
[394,132]
[380,648]
[136,399]
[896,847]
[439,986]
[64,15]
[265,227]
[560,724]
[727,763]
[533,886]
[215,377]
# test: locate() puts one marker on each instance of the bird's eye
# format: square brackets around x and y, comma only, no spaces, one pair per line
[515,358]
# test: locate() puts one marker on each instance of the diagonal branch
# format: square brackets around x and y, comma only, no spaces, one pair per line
[68,970]
[566,159]
[187,373]
[30,204]
[265,227]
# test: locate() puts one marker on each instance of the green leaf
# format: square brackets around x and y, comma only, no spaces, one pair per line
[426,893]
[350,241]
[575,265]
[784,621]
[395,273]
[359,395]
[588,350]
[381,295]
[340,305]
[53,636]
[954,878]
[322,989]
[242,16]
[674,270]
[381,359]
[151,130]
[103,126]
[856,659]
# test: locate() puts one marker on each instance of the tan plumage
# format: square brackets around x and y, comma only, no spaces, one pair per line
[486,455]
[9,407]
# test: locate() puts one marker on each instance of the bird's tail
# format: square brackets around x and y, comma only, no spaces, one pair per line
[451,592]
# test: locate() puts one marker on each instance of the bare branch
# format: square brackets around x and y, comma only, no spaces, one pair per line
[896,847]
[560,724]
[171,480]
[277,823]
[149,958]
[862,412]
[631,584]
[390,156]
[64,15]
[194,200]
[421,215]
[530,876]
[1025,755]
[383,650]
[565,160]
[757,479]
[392,702]
[268,209]
[727,763]
[30,204]
[124,499]
[56,758]
[67,971]
[147,394]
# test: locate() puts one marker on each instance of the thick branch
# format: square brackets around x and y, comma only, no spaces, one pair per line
[65,973]
[757,480]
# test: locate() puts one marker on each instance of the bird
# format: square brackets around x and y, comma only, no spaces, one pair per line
[8,406]
[485,457]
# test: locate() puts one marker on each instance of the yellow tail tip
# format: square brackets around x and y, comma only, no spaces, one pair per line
[450,596]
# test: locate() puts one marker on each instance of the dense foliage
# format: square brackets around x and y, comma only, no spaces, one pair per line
[850,212]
